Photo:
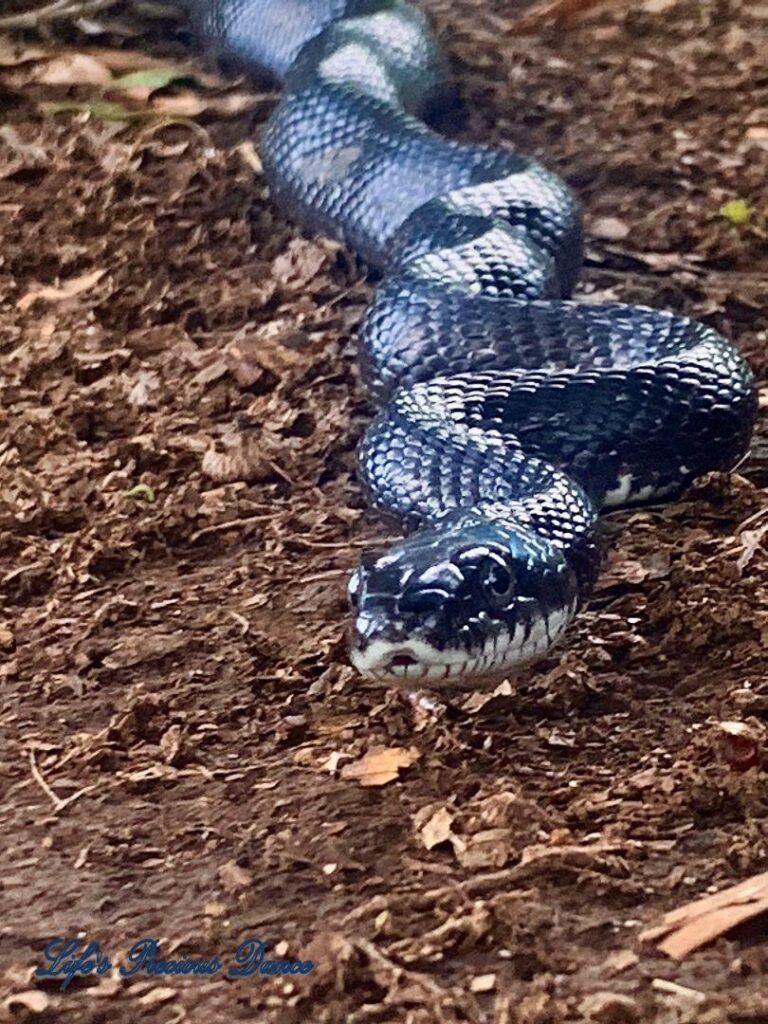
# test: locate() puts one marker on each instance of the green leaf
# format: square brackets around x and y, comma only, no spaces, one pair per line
[152,78]
[737,211]
[102,109]
[143,492]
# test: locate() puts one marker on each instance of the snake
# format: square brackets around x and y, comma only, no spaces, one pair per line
[509,415]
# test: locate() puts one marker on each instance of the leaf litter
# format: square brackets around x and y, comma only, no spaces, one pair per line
[173,628]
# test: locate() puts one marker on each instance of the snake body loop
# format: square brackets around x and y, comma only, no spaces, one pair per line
[510,415]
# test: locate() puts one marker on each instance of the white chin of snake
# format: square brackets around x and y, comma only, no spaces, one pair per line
[414,662]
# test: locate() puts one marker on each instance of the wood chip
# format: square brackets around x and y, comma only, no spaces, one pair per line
[694,925]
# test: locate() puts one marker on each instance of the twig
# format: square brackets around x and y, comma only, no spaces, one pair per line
[57,801]
[673,989]
[382,961]
[230,524]
[57,9]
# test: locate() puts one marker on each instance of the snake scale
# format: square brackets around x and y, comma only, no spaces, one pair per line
[510,416]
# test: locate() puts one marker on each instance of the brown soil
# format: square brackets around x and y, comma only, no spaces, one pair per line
[179,510]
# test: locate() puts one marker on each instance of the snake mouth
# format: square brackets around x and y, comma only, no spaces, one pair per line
[398,662]
[382,654]
[401,660]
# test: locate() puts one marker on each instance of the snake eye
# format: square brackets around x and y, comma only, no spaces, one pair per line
[498,582]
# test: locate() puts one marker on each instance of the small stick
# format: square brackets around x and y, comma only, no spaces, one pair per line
[662,985]
[57,802]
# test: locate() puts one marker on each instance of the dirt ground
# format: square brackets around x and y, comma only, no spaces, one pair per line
[181,735]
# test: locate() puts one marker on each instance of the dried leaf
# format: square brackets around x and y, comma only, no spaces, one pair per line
[483,983]
[170,744]
[233,877]
[12,56]
[620,960]
[301,261]
[381,765]
[438,829]
[751,541]
[486,849]
[33,1001]
[610,228]
[74,69]
[192,104]
[546,12]
[159,995]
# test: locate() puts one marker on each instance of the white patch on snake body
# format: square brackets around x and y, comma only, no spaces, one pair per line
[619,494]
[623,493]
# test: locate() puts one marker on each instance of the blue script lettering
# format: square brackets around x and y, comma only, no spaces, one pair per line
[62,963]
[141,957]
[249,957]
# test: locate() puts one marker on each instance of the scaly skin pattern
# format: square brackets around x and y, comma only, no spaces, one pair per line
[510,415]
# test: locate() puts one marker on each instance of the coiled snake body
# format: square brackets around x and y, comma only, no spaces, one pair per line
[510,415]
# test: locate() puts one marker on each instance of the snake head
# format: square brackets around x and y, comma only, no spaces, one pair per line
[465,601]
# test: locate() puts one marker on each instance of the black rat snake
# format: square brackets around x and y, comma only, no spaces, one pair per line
[510,416]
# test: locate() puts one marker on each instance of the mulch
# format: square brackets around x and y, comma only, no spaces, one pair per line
[186,752]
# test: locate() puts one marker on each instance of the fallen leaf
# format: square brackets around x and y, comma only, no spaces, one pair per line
[233,877]
[158,995]
[12,55]
[620,960]
[658,6]
[751,541]
[121,62]
[547,12]
[300,262]
[143,492]
[489,848]
[102,110]
[483,983]
[609,1008]
[191,104]
[697,923]
[67,290]
[149,79]
[33,1002]
[74,69]
[438,829]
[610,228]
[381,765]
[737,211]
[27,150]
[170,743]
